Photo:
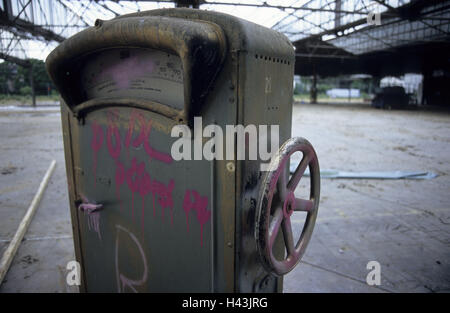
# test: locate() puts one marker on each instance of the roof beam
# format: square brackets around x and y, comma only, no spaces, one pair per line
[18,61]
[282,7]
[28,27]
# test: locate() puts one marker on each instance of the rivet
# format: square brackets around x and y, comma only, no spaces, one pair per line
[230,167]
[98,23]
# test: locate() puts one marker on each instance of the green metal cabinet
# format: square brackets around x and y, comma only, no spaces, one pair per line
[143,222]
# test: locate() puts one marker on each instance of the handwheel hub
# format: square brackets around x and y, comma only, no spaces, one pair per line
[289,205]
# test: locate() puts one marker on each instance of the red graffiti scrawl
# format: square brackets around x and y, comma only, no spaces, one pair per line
[133,116]
[143,138]
[96,144]
[138,180]
[132,173]
[199,205]
[133,177]
[92,211]
[113,130]
[113,139]
[164,196]
[119,179]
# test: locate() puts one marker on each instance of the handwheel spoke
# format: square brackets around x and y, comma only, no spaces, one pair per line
[274,226]
[281,185]
[303,205]
[288,236]
[298,174]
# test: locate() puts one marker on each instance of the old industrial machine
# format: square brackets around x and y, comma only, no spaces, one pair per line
[146,222]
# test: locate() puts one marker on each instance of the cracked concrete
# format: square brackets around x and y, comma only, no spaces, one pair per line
[402,224]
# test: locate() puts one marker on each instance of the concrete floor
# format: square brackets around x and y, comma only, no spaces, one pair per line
[402,224]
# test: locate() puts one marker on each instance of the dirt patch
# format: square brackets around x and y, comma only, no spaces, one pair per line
[403,148]
[8,170]
[28,260]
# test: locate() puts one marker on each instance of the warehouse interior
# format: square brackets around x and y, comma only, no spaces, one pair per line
[370,92]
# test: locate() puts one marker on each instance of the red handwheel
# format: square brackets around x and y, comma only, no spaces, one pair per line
[277,202]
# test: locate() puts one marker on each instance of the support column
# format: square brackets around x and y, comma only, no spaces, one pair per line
[337,13]
[33,93]
[313,90]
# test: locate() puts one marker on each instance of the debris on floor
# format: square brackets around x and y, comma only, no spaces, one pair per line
[370,175]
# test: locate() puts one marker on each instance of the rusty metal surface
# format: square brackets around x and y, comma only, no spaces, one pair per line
[252,86]
[137,73]
[200,45]
[67,122]
[241,35]
[265,98]
[95,104]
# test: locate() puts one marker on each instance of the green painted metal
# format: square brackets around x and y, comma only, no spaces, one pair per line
[199,233]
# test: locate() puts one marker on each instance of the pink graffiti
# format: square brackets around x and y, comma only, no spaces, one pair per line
[114,145]
[133,116]
[92,211]
[199,205]
[133,179]
[120,179]
[144,188]
[134,175]
[123,281]
[94,222]
[89,207]
[143,138]
[113,130]
[96,144]
[138,180]
[165,196]
[124,72]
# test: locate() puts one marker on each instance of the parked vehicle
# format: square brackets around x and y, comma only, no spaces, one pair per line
[390,98]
